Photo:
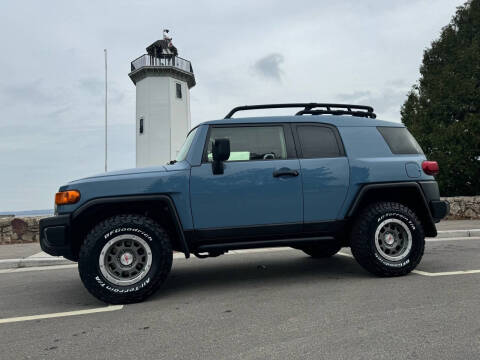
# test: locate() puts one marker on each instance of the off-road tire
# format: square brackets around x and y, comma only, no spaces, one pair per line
[142,227]
[322,250]
[363,245]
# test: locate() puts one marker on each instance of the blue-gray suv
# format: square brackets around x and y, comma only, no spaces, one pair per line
[331,176]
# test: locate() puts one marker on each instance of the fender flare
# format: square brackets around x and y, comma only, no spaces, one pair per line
[430,229]
[139,198]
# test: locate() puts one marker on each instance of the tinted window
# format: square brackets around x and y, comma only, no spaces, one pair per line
[251,143]
[318,141]
[400,140]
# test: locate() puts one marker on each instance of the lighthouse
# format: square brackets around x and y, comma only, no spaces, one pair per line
[163,81]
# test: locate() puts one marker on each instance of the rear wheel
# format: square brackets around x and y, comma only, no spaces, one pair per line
[322,250]
[124,259]
[388,239]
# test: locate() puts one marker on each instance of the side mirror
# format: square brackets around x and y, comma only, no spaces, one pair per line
[220,153]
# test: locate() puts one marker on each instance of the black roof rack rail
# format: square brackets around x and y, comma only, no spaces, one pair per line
[313,109]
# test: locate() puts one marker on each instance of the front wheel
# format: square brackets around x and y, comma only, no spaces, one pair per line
[125,258]
[388,239]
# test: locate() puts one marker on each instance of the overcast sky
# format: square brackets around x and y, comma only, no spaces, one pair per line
[242,52]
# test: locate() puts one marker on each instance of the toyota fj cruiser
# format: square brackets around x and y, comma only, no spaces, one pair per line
[331,176]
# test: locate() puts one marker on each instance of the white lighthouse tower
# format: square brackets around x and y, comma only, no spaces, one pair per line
[163,81]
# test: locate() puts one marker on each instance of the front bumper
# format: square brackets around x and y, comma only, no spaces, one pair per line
[55,235]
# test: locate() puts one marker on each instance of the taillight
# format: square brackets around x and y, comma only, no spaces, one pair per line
[430,167]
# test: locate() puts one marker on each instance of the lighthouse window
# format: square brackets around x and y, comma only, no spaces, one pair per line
[179,91]
[140,130]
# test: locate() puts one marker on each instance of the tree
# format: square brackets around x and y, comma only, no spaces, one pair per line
[443,110]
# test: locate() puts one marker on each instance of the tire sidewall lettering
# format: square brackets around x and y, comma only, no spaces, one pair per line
[127,230]
[399,216]
[108,286]
[121,290]
[390,263]
[411,225]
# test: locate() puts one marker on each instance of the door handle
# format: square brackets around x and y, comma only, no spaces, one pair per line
[285,172]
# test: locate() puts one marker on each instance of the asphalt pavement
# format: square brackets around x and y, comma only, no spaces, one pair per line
[278,304]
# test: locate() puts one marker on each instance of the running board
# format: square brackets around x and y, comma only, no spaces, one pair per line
[261,244]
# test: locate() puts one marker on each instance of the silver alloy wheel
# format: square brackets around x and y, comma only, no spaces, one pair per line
[125,259]
[393,239]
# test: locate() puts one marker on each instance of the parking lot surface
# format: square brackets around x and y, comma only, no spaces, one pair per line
[277,304]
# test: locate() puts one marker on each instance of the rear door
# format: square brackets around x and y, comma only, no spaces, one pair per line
[251,193]
[325,171]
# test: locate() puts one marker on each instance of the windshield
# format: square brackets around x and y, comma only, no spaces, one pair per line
[182,154]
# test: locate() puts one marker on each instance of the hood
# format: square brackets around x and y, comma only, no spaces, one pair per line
[166,179]
[126,172]
[182,165]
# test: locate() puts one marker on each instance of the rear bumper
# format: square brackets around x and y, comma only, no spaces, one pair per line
[55,235]
[439,209]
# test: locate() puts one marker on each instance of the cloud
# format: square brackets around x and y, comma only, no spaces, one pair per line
[355,96]
[52,84]
[386,101]
[269,66]
[92,86]
[96,88]
[60,111]
[32,92]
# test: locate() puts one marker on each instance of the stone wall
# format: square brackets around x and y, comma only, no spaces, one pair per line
[464,207]
[18,230]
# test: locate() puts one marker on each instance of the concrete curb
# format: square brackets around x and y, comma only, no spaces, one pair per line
[458,233]
[52,261]
[32,262]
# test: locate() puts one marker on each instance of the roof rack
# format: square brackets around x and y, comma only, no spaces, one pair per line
[313,109]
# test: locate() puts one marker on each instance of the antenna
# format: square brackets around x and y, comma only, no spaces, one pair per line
[106,98]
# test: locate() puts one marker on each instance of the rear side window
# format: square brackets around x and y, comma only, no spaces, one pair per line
[399,140]
[318,142]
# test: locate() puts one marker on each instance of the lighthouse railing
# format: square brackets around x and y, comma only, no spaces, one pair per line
[165,60]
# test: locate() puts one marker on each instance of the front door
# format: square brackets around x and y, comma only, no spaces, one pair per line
[260,189]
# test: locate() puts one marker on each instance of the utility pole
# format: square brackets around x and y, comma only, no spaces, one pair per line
[106,98]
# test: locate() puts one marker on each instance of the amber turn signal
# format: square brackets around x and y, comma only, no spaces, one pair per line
[67,197]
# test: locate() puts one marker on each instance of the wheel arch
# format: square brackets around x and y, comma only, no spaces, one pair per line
[160,208]
[408,193]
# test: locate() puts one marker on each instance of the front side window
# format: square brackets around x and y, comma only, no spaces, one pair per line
[251,142]
[182,154]
[318,142]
